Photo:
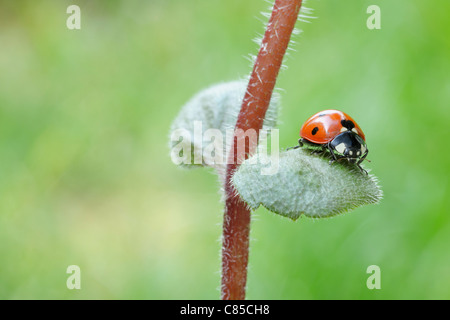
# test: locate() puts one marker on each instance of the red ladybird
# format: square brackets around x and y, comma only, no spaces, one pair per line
[337,132]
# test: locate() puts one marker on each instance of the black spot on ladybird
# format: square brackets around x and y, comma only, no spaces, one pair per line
[314,131]
[348,124]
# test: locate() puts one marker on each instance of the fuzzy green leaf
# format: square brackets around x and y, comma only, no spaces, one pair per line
[216,107]
[304,184]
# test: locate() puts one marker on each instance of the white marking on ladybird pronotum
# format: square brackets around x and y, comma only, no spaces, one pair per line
[363,149]
[343,129]
[355,131]
[340,148]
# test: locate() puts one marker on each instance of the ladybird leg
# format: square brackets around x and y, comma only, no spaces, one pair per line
[363,157]
[300,144]
[361,160]
[362,169]
[332,153]
[319,151]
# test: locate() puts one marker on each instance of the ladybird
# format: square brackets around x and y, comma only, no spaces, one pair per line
[337,132]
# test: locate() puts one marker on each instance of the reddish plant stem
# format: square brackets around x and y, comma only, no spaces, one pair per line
[236,223]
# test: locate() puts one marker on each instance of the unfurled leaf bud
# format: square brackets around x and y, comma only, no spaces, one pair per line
[202,132]
[306,184]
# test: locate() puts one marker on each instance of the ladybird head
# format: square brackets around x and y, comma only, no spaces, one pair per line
[349,145]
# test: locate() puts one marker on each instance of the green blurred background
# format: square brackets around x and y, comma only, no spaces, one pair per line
[86,177]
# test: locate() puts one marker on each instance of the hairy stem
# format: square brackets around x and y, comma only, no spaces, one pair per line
[236,223]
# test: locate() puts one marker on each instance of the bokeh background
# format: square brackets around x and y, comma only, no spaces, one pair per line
[86,177]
